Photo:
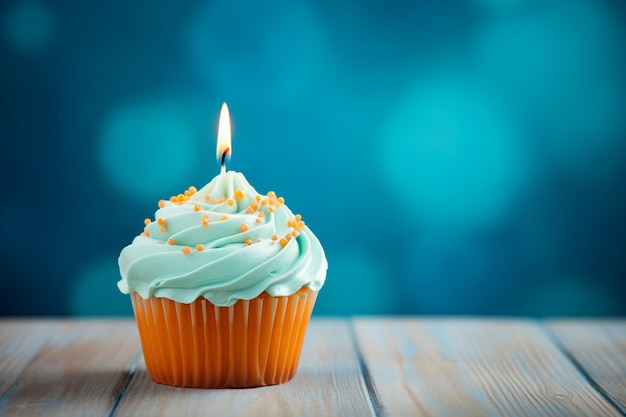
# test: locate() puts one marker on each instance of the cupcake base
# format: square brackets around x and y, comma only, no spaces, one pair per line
[249,344]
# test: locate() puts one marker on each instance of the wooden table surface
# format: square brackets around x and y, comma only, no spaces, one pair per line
[370,366]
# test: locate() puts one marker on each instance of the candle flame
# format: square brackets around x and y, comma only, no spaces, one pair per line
[224,148]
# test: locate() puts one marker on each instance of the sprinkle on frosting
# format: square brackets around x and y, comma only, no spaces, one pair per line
[199,247]
[170,241]
[147,221]
[244,227]
[186,250]
[239,195]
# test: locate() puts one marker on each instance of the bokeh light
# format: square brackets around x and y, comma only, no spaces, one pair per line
[452,155]
[29,26]
[147,148]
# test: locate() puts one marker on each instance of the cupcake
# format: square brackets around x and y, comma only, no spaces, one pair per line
[223,281]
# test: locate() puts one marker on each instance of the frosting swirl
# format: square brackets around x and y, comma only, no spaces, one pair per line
[224,242]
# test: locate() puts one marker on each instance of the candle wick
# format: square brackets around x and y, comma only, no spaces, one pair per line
[223,169]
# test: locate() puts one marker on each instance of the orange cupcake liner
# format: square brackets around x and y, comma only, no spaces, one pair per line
[249,344]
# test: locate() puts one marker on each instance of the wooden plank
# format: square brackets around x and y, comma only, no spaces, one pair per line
[328,383]
[20,341]
[599,347]
[465,367]
[79,371]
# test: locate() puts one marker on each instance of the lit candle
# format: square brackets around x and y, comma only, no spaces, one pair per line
[224,147]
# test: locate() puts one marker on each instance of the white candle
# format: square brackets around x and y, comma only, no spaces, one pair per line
[224,147]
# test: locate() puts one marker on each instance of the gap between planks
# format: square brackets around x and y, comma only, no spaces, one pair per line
[579,341]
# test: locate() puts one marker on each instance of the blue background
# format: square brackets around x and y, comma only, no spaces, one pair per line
[453,157]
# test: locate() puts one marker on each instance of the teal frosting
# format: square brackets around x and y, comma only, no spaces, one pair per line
[235,262]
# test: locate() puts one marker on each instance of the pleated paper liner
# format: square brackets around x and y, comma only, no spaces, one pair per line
[252,343]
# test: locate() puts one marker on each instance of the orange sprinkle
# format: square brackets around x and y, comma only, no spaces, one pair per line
[289,223]
[170,241]
[271,194]
[258,220]
[161,203]
[230,202]
[223,218]
[207,197]
[146,233]
[187,193]
[264,202]
[173,199]
[205,217]
[298,217]
[274,237]
[205,223]
[186,250]
[261,214]
[244,227]
[147,221]
[254,206]
[283,241]
[248,241]
[257,198]
[199,247]
[197,207]
[160,221]
[239,194]
[163,229]
[249,210]
[271,210]
[180,198]
[193,189]
[281,200]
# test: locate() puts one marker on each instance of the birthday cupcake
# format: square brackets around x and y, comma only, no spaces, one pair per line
[223,281]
